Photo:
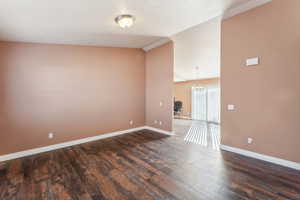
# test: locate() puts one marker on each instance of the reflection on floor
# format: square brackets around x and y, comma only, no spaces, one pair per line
[205,134]
[199,132]
[145,165]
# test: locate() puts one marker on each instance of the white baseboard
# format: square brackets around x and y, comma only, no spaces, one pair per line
[159,130]
[263,157]
[75,142]
[65,144]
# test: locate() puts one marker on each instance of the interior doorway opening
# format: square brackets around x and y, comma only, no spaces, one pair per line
[197,114]
[197,83]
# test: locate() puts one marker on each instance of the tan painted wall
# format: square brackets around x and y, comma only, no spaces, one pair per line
[183,92]
[73,91]
[159,86]
[267,96]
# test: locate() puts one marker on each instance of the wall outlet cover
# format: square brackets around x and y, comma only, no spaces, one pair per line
[51,135]
[230,107]
[249,140]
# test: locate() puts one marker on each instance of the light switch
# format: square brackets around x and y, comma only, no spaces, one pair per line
[252,61]
[230,107]
[160,103]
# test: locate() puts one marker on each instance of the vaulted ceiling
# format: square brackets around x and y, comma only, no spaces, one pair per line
[91,22]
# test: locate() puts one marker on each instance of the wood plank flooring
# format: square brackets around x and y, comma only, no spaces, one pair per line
[145,165]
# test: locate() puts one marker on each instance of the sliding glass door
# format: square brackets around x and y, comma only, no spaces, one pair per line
[213,106]
[199,103]
[206,104]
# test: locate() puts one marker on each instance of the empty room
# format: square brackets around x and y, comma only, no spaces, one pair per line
[149,99]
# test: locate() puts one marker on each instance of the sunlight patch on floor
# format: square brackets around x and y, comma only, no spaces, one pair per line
[205,134]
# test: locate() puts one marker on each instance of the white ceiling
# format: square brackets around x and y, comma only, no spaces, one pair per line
[197,51]
[91,22]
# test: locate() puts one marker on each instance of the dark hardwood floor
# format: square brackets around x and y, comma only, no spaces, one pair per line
[145,165]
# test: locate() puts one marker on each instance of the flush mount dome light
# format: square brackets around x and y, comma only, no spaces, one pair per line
[125,21]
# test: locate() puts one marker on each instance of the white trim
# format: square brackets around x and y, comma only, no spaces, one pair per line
[263,157]
[65,144]
[178,78]
[159,130]
[244,7]
[156,44]
[76,142]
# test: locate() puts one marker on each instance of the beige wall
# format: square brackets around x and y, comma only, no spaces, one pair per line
[159,86]
[73,91]
[267,96]
[183,92]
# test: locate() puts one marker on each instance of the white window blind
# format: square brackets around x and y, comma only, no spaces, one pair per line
[199,103]
[206,104]
[213,108]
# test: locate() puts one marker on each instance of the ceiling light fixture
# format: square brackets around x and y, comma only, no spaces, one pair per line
[125,21]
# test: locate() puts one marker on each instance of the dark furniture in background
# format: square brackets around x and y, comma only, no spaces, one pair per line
[177,107]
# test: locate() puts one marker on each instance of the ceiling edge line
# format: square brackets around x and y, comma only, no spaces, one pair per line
[244,7]
[156,44]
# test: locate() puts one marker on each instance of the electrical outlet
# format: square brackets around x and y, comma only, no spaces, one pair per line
[249,140]
[155,121]
[230,107]
[51,135]
[131,122]
[160,123]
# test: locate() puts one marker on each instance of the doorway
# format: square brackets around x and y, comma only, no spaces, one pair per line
[198,120]
[197,83]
